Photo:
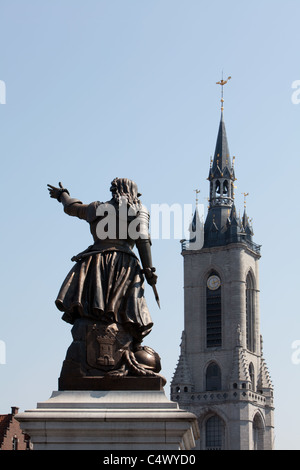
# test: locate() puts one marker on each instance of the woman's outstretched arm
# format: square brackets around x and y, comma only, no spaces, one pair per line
[71,206]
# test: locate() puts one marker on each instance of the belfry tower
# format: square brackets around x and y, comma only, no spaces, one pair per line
[221,375]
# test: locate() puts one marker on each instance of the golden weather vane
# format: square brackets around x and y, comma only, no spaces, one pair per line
[222,83]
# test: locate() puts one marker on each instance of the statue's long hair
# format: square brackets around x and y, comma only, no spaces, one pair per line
[123,187]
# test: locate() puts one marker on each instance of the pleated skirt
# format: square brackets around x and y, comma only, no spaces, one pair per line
[107,286]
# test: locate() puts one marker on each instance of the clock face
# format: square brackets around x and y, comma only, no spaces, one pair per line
[213,282]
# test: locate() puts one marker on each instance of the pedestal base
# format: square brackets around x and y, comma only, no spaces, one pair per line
[110,383]
[109,420]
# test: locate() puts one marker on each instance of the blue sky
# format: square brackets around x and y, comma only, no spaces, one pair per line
[103,88]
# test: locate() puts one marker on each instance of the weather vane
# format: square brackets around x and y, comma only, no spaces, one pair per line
[222,83]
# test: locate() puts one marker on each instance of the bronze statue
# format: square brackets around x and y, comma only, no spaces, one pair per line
[103,294]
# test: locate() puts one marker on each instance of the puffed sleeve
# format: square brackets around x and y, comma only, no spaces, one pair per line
[74,206]
[77,210]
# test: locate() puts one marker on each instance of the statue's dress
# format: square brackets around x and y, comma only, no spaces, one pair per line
[106,283]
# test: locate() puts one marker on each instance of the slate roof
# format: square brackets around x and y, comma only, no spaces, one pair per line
[221,165]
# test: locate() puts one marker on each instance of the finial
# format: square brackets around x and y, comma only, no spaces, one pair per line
[197,191]
[233,188]
[245,195]
[222,83]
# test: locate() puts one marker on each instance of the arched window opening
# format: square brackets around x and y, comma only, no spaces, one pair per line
[251,373]
[225,187]
[213,377]
[211,193]
[250,313]
[214,433]
[218,187]
[258,433]
[213,312]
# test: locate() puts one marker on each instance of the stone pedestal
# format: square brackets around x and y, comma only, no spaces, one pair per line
[109,420]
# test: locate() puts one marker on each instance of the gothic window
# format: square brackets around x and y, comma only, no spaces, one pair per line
[250,313]
[213,313]
[213,377]
[225,187]
[251,373]
[218,187]
[214,433]
[258,433]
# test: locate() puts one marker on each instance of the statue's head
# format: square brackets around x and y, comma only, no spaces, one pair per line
[123,187]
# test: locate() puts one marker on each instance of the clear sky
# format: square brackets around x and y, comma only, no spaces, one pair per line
[102,88]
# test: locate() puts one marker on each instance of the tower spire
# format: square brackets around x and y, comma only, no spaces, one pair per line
[221,173]
[222,225]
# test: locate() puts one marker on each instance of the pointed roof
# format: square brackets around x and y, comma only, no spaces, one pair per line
[222,224]
[245,219]
[196,229]
[221,159]
[234,219]
[195,220]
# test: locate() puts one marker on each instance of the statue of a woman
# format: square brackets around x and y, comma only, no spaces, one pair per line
[103,294]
